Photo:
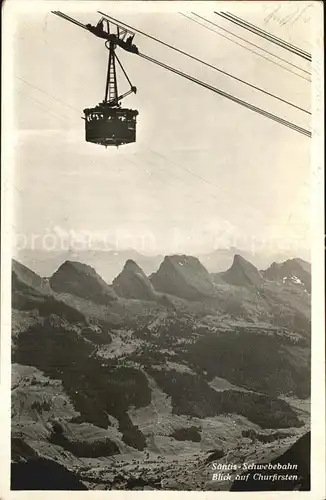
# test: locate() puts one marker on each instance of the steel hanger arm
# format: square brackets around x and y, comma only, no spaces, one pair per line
[133,90]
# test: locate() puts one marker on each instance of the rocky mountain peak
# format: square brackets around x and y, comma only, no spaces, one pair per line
[242,273]
[81,280]
[295,271]
[24,279]
[132,283]
[183,276]
[131,265]
[239,260]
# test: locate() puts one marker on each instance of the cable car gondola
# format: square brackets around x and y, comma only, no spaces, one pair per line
[108,124]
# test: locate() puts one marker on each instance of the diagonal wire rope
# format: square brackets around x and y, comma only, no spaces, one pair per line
[249,43]
[266,33]
[256,109]
[257,31]
[43,106]
[207,86]
[46,93]
[205,63]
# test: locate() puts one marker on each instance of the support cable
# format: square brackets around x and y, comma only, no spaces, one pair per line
[208,64]
[249,43]
[229,96]
[264,34]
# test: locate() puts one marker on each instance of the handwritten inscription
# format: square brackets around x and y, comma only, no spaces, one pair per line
[295,13]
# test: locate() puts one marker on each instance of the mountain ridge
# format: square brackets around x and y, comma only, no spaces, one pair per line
[118,388]
[292,270]
[109,263]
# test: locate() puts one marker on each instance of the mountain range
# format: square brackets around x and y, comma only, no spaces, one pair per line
[109,263]
[139,383]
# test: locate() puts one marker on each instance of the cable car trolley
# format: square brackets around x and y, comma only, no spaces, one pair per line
[107,123]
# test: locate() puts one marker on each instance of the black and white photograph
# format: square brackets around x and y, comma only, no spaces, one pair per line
[163,185]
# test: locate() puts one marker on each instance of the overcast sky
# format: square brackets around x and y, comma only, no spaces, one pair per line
[204,171]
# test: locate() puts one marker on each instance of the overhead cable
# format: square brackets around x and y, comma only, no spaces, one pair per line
[245,104]
[264,34]
[255,87]
[67,18]
[43,106]
[250,43]
[229,96]
[46,93]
